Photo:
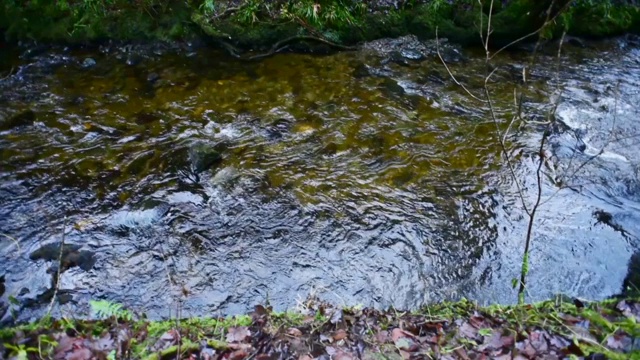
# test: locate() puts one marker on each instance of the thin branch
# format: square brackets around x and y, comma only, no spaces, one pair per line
[546,22]
[450,73]
[9,74]
[57,281]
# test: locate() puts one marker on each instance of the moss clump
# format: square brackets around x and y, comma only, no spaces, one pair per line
[251,24]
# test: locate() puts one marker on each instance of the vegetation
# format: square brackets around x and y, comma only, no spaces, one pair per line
[461,329]
[254,23]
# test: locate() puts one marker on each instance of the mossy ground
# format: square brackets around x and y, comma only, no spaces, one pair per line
[251,24]
[551,329]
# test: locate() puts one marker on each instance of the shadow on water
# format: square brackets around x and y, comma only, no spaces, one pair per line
[362,177]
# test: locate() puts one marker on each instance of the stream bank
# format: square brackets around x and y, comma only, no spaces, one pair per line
[557,329]
[257,25]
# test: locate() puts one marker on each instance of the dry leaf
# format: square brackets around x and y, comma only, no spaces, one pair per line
[238,334]
[339,335]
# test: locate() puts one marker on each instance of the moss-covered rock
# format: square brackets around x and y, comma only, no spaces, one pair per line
[251,24]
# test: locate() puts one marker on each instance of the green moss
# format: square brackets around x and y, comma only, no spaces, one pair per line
[259,24]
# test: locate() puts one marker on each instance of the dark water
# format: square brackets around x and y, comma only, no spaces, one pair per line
[347,176]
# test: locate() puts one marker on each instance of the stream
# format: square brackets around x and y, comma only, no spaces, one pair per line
[179,177]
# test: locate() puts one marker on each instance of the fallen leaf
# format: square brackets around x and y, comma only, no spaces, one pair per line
[468,331]
[404,340]
[79,354]
[343,355]
[294,332]
[492,343]
[168,339]
[538,341]
[104,344]
[339,335]
[525,347]
[399,333]
[619,342]
[462,354]
[558,342]
[383,336]
[238,334]
[630,310]
[238,355]
[477,322]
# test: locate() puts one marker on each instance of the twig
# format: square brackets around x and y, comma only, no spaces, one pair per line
[450,73]
[14,241]
[57,282]
[8,75]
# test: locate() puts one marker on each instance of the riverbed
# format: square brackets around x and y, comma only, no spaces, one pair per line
[179,177]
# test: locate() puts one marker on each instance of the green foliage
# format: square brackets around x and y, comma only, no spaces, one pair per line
[106,309]
[21,351]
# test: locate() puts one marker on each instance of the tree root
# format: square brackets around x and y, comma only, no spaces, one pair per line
[280,46]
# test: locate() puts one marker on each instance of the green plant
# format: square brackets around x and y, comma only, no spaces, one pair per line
[106,309]
[208,7]
[21,351]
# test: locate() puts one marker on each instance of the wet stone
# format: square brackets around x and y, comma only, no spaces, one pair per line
[71,256]
[88,63]
[24,118]
[153,77]
[203,156]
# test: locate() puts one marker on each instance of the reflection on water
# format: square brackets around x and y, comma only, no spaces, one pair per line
[362,180]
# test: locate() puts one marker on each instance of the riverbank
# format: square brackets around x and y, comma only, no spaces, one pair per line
[240,25]
[459,330]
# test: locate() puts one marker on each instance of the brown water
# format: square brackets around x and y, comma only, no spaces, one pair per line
[360,181]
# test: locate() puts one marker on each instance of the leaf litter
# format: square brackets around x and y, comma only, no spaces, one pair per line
[460,330]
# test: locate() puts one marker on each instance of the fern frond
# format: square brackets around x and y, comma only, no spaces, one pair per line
[106,309]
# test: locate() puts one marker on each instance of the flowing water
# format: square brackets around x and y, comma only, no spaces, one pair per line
[179,174]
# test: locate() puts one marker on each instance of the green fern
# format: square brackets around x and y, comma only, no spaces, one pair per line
[106,309]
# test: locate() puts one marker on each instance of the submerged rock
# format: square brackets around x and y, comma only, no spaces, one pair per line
[226,176]
[88,63]
[203,156]
[409,49]
[71,256]
[24,118]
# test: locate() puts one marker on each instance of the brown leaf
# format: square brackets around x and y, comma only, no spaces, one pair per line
[79,354]
[526,348]
[507,341]
[559,342]
[404,340]
[343,355]
[104,344]
[399,333]
[477,322]
[168,339]
[538,341]
[618,342]
[383,337]
[468,331]
[492,343]
[238,355]
[294,332]
[238,334]
[570,319]
[339,335]
[241,346]
[630,310]
[462,354]
[406,355]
